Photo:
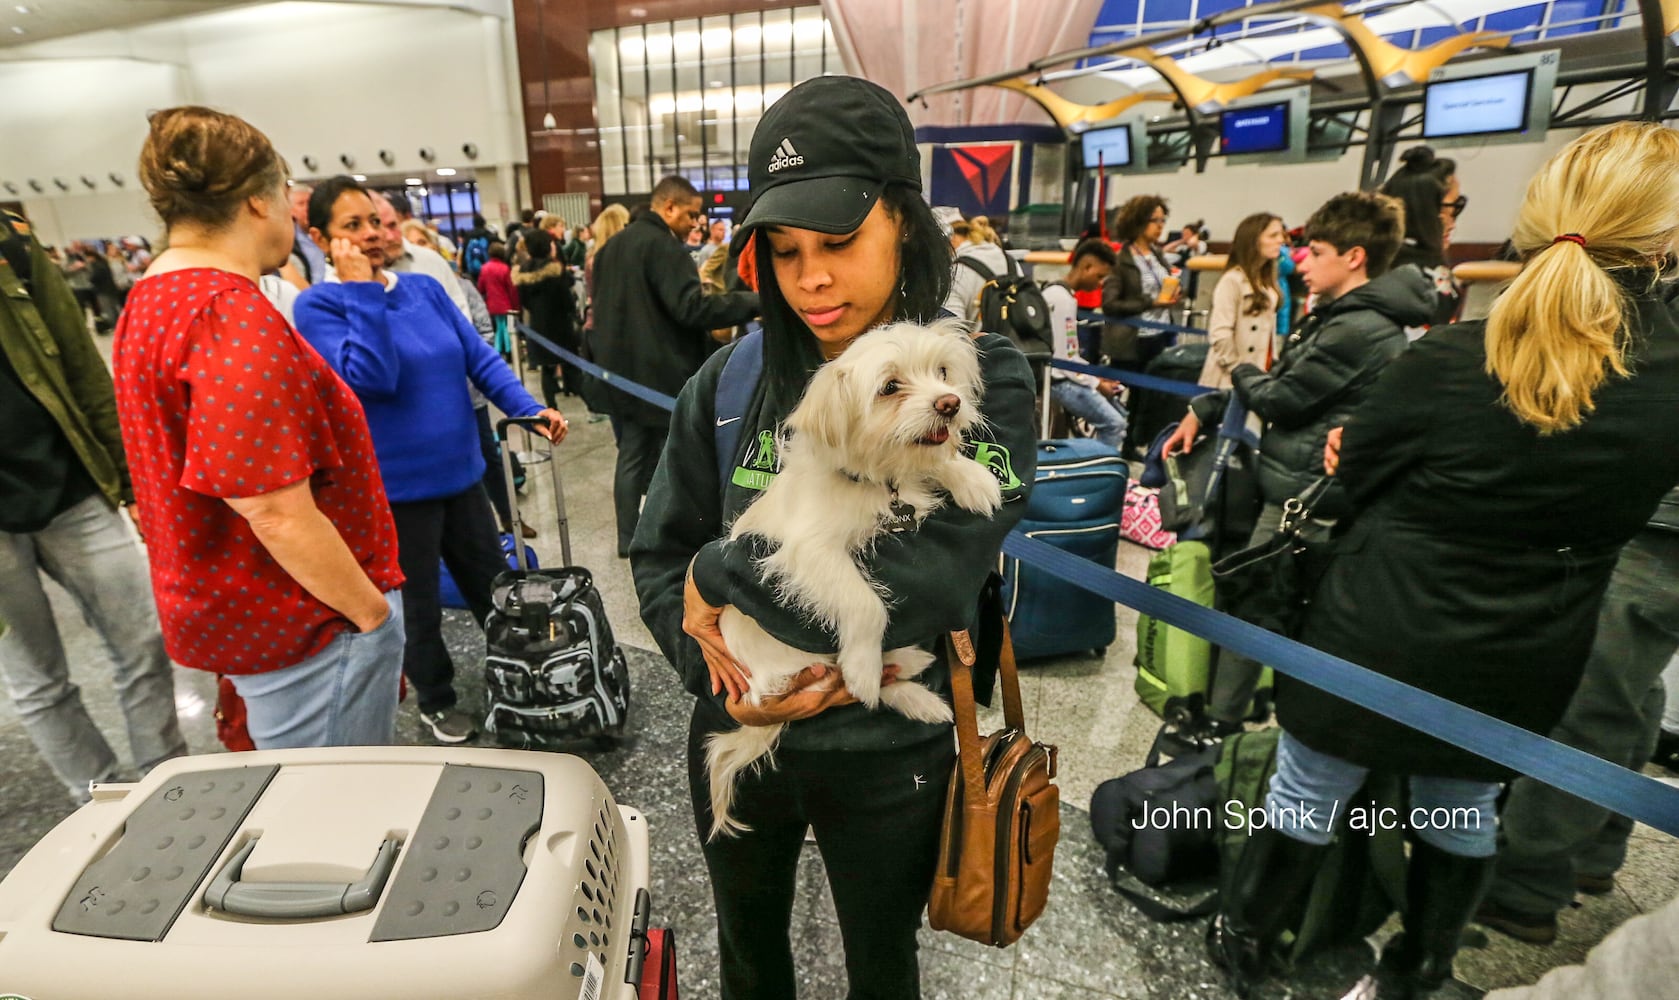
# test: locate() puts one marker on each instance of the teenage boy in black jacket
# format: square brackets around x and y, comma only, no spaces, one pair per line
[652,323]
[1326,368]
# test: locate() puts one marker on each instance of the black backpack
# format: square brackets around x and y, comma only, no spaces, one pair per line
[554,675]
[1013,305]
[1190,811]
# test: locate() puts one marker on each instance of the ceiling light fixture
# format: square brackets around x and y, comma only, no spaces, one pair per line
[17,30]
[445,171]
[549,122]
[412,181]
[21,8]
[358,178]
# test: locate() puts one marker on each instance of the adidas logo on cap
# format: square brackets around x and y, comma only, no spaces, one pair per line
[785,156]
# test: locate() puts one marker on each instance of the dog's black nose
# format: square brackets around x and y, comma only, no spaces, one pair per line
[948,404]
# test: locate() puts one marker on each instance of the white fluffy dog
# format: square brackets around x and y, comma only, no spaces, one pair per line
[875,446]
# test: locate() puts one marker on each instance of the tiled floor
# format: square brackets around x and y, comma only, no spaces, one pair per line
[1090,943]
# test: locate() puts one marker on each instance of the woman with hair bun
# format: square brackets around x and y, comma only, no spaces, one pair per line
[1427,186]
[1493,474]
[273,555]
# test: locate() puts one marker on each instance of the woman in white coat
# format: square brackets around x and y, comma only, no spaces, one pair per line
[1243,325]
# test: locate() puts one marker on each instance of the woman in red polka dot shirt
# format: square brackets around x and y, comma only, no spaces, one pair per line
[273,555]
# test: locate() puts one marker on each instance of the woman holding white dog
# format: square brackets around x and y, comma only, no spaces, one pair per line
[842,243]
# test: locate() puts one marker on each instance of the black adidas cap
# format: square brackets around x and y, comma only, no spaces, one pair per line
[823,153]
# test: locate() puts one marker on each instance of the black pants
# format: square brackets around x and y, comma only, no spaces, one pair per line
[573,378]
[495,483]
[462,531]
[876,816]
[551,387]
[639,447]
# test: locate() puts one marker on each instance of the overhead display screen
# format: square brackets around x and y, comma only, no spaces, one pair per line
[1478,105]
[1107,147]
[1261,129]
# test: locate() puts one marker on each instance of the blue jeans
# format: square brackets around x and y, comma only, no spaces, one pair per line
[89,551]
[1083,401]
[1311,791]
[345,695]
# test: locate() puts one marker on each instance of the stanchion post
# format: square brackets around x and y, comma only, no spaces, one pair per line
[527,455]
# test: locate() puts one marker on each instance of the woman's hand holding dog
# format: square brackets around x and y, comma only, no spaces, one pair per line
[806,695]
[699,620]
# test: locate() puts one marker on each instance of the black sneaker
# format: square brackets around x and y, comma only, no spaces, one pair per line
[1594,885]
[1667,751]
[450,725]
[1533,928]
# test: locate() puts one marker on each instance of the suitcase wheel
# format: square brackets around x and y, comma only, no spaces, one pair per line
[1101,651]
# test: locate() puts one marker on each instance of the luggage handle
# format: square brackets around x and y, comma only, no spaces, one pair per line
[512,493]
[298,900]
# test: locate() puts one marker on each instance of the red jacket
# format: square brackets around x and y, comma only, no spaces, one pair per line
[495,283]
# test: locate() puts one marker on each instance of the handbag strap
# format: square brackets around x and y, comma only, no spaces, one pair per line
[962,657]
[961,654]
[1297,511]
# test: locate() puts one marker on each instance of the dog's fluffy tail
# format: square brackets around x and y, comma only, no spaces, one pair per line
[727,755]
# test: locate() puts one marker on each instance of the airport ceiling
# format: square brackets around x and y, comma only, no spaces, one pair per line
[1296,38]
[23,22]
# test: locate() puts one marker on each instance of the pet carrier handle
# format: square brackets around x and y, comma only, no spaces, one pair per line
[298,900]
[512,494]
[639,920]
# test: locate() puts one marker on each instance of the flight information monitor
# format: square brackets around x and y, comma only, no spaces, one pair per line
[1477,105]
[1107,147]
[1263,128]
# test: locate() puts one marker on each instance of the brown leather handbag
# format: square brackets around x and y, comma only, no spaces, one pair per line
[1002,818]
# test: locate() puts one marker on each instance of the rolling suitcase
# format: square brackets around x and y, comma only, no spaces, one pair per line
[1076,505]
[348,873]
[553,672]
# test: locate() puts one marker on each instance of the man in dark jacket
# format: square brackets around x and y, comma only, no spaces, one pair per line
[1552,844]
[652,323]
[62,477]
[1325,370]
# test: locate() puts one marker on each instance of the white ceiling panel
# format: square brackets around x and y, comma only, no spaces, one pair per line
[23,22]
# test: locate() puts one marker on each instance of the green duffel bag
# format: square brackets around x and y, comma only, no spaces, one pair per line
[1173,665]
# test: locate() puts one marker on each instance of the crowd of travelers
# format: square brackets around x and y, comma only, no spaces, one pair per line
[296,420]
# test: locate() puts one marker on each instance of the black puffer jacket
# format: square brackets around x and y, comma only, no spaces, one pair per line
[1326,369]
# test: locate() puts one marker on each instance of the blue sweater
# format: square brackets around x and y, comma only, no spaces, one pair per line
[408,354]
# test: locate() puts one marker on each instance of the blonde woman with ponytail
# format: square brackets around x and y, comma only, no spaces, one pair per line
[1562,331]
[1494,472]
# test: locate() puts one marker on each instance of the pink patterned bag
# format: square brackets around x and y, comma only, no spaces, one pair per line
[1141,521]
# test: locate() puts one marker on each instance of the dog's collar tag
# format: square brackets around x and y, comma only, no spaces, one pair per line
[900,516]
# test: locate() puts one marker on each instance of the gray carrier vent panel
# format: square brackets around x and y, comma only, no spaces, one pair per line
[464,864]
[136,891]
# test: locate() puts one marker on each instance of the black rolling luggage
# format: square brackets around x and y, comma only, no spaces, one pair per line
[553,672]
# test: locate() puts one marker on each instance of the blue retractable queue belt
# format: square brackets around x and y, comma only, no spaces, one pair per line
[1090,317]
[1574,771]
[613,379]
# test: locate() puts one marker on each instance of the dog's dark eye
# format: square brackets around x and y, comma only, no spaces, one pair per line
[890,388]
[942,376]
